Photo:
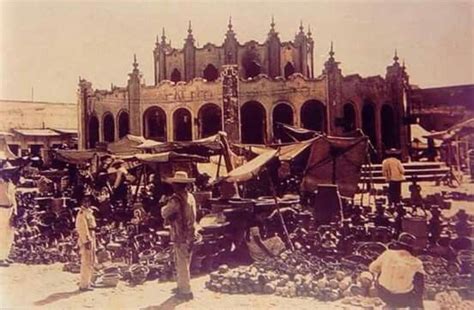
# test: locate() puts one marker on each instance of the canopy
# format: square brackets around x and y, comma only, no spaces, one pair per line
[203,147]
[77,157]
[457,131]
[168,156]
[418,137]
[335,160]
[297,133]
[127,145]
[251,168]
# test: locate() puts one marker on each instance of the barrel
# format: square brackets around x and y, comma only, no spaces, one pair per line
[418,227]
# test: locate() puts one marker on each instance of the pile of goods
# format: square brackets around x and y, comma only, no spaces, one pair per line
[452,301]
[296,274]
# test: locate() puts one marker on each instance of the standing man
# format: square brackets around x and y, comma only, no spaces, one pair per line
[394,174]
[400,275]
[85,227]
[8,209]
[180,214]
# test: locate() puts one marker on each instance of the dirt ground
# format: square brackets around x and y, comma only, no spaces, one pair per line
[47,286]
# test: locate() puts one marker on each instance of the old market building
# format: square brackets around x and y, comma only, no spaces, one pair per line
[245,89]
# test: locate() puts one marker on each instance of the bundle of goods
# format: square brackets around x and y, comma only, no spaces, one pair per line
[451,300]
[295,274]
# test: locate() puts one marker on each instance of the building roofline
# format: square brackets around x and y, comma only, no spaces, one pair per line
[41,102]
[448,86]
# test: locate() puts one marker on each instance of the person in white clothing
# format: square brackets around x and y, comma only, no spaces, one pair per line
[400,275]
[8,210]
[392,170]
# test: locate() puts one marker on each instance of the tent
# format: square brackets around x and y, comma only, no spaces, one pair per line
[419,138]
[251,168]
[127,145]
[203,147]
[168,156]
[335,160]
[5,152]
[457,131]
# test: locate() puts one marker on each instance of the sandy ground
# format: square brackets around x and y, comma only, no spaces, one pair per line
[25,287]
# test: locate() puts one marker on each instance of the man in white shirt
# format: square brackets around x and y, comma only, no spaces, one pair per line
[400,280]
[392,170]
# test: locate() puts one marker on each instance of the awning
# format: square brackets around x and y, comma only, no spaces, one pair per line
[457,131]
[66,131]
[127,145]
[77,157]
[204,147]
[289,152]
[418,136]
[5,152]
[37,132]
[250,169]
[149,144]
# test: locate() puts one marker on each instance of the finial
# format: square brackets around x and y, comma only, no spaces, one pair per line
[190,30]
[309,30]
[273,23]
[301,26]
[395,57]
[331,52]
[163,36]
[135,64]
[230,22]
[403,64]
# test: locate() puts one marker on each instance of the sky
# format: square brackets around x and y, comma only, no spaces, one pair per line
[46,45]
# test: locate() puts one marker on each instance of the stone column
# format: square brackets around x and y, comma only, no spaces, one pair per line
[230,102]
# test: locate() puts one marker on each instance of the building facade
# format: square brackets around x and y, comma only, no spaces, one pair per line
[245,90]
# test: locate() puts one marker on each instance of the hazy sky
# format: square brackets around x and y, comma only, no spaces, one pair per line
[48,44]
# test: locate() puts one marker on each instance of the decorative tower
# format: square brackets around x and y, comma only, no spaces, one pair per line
[301,43]
[134,84]
[274,53]
[159,57]
[189,56]
[230,45]
[333,76]
[310,53]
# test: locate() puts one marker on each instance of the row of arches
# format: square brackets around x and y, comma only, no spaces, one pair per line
[253,122]
[252,69]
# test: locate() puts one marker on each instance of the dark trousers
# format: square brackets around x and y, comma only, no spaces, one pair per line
[394,192]
[412,299]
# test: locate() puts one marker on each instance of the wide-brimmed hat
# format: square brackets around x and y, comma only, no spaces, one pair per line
[8,168]
[393,151]
[405,240]
[180,177]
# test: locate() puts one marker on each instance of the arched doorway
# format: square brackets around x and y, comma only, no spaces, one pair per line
[289,69]
[210,120]
[389,127]
[313,115]
[368,121]
[282,113]
[349,117]
[175,75]
[109,128]
[154,124]
[211,73]
[182,125]
[93,129]
[253,123]
[124,124]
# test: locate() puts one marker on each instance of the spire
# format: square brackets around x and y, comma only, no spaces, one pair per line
[395,57]
[331,51]
[190,29]
[309,30]
[190,38]
[272,25]
[229,26]
[301,27]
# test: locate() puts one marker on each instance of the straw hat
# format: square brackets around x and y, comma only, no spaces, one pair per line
[180,177]
[393,151]
[405,240]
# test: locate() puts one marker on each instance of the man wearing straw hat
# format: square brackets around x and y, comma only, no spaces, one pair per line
[8,209]
[180,214]
[85,227]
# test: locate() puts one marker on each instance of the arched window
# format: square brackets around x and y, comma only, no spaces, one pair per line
[253,123]
[289,69]
[282,114]
[349,117]
[368,121]
[93,134]
[154,124]
[109,128]
[313,115]
[124,125]
[210,120]
[182,125]
[252,69]
[210,73]
[175,75]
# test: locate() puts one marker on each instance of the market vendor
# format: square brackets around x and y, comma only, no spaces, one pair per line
[8,209]
[259,248]
[85,228]
[180,214]
[120,189]
[400,275]
[392,170]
